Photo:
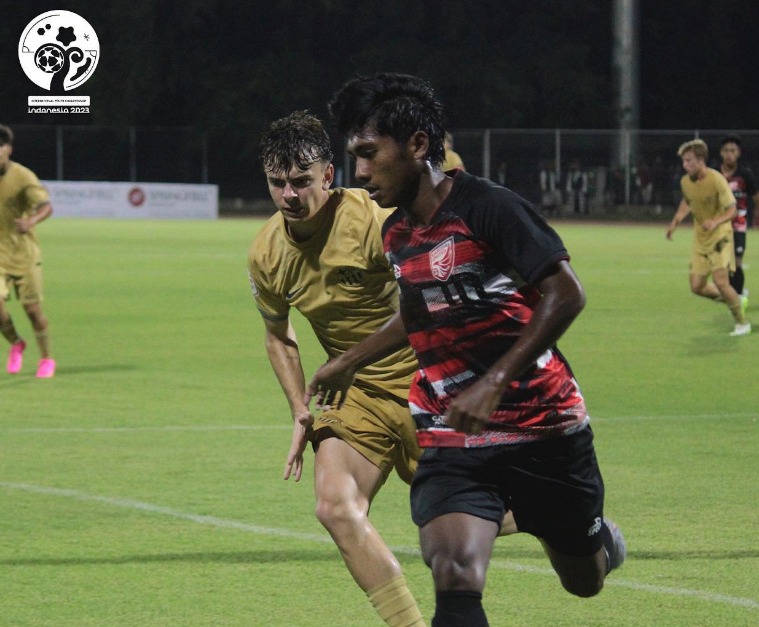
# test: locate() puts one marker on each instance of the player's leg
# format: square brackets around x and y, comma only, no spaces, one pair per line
[8,330]
[701,286]
[30,295]
[458,512]
[733,300]
[557,494]
[583,575]
[457,548]
[345,483]
[737,278]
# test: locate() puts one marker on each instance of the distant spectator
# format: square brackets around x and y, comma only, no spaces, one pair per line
[501,172]
[550,188]
[452,159]
[644,185]
[577,188]
[661,184]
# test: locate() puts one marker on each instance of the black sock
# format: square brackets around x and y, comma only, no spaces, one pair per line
[737,280]
[459,608]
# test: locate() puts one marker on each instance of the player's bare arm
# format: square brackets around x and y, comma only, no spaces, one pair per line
[38,214]
[563,300]
[331,382]
[282,349]
[682,212]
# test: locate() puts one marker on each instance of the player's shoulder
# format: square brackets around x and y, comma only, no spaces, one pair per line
[22,173]
[268,240]
[357,203]
[716,175]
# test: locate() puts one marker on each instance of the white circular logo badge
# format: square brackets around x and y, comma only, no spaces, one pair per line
[59,51]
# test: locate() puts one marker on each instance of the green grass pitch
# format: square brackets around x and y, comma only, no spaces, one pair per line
[142,485]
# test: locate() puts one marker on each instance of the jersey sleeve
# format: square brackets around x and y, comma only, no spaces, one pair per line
[373,247]
[272,306]
[519,237]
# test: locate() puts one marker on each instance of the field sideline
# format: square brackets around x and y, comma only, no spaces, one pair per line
[142,485]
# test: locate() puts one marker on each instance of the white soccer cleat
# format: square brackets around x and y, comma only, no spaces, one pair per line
[617,557]
[741,329]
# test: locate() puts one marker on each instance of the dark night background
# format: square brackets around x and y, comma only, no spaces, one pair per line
[226,68]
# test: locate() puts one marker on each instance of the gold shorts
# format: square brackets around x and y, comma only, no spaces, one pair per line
[27,286]
[378,427]
[705,259]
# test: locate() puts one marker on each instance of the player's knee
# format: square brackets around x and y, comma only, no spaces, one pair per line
[334,515]
[452,572]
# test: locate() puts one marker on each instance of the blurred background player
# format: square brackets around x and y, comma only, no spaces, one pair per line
[486,291]
[24,203]
[452,159]
[742,184]
[322,254]
[707,195]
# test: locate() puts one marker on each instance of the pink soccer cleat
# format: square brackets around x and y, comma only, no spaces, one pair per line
[16,357]
[46,368]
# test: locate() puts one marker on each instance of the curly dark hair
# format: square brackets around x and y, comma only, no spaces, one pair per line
[298,139]
[6,135]
[394,105]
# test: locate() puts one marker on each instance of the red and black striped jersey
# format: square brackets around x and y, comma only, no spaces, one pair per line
[742,185]
[467,291]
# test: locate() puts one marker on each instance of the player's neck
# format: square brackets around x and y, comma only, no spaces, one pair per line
[729,170]
[434,187]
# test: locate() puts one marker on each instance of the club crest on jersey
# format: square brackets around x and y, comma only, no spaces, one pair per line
[441,259]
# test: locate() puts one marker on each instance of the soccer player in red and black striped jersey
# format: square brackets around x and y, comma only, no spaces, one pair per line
[486,291]
[742,183]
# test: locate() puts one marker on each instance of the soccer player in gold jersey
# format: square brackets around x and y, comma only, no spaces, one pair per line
[322,254]
[707,195]
[24,203]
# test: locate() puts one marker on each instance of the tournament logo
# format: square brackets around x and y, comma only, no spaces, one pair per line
[441,259]
[59,51]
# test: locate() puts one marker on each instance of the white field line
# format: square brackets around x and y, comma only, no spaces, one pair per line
[145,429]
[284,425]
[223,523]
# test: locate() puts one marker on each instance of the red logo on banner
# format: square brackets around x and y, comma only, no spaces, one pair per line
[441,259]
[136,197]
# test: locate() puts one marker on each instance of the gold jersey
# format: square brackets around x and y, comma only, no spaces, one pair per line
[339,280]
[708,198]
[20,194]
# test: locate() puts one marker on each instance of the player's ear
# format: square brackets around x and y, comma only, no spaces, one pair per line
[329,176]
[418,145]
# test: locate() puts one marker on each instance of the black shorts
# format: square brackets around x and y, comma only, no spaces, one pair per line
[554,487]
[739,242]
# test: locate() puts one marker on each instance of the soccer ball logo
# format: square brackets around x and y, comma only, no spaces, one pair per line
[58,51]
[49,58]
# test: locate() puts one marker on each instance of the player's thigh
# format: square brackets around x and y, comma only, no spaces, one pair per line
[457,547]
[456,480]
[361,424]
[343,475]
[557,493]
[29,286]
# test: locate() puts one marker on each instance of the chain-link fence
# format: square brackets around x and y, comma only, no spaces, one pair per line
[618,169]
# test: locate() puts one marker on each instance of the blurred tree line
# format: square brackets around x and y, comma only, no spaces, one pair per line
[227,67]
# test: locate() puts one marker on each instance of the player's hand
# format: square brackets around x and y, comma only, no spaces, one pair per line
[23,225]
[329,386]
[294,464]
[470,411]
[709,225]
